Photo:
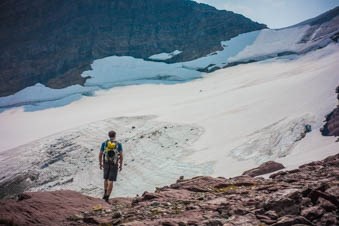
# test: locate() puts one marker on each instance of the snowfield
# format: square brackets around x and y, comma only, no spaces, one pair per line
[116,71]
[223,124]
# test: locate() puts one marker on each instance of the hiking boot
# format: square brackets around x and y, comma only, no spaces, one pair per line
[106,198]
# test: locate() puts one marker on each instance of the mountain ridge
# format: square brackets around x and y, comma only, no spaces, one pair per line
[52,42]
[324,17]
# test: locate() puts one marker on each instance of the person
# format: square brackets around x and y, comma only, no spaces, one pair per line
[110,160]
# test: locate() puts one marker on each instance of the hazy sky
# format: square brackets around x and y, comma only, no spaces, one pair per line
[275,13]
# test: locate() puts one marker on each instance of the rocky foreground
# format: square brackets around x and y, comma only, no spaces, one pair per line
[308,195]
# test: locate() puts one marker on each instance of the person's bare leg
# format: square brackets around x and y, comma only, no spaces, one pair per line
[105,186]
[109,188]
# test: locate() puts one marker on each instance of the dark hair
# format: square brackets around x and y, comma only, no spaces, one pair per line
[111,134]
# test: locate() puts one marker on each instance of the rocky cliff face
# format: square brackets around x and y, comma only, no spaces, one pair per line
[308,195]
[52,42]
[331,127]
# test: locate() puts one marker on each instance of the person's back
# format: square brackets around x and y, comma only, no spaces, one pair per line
[110,160]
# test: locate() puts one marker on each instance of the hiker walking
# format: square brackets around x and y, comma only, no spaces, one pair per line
[110,159]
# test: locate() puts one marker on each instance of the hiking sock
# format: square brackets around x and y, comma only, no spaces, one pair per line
[103,197]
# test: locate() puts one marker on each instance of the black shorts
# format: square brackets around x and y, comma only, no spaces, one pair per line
[110,171]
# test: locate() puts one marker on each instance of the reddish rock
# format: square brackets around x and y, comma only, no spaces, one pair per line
[99,220]
[313,212]
[272,214]
[334,191]
[265,219]
[248,219]
[326,205]
[23,196]
[149,196]
[197,189]
[283,206]
[292,220]
[46,208]
[168,223]
[315,194]
[267,167]
[329,219]
[303,196]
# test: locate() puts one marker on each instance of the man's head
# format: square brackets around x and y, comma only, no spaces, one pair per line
[111,134]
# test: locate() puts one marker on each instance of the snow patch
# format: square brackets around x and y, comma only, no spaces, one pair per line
[221,58]
[165,56]
[40,93]
[270,43]
[115,71]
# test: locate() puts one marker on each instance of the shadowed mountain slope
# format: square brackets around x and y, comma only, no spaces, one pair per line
[52,42]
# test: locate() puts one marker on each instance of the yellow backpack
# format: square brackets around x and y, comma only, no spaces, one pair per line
[111,151]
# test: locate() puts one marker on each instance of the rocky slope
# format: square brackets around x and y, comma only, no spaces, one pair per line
[331,128]
[46,208]
[52,42]
[308,195]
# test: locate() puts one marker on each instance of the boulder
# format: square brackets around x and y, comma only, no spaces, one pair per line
[267,167]
[292,220]
[329,219]
[312,212]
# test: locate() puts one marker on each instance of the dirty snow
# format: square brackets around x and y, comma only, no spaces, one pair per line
[154,156]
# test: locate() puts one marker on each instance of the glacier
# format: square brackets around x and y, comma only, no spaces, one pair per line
[114,71]
[220,125]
